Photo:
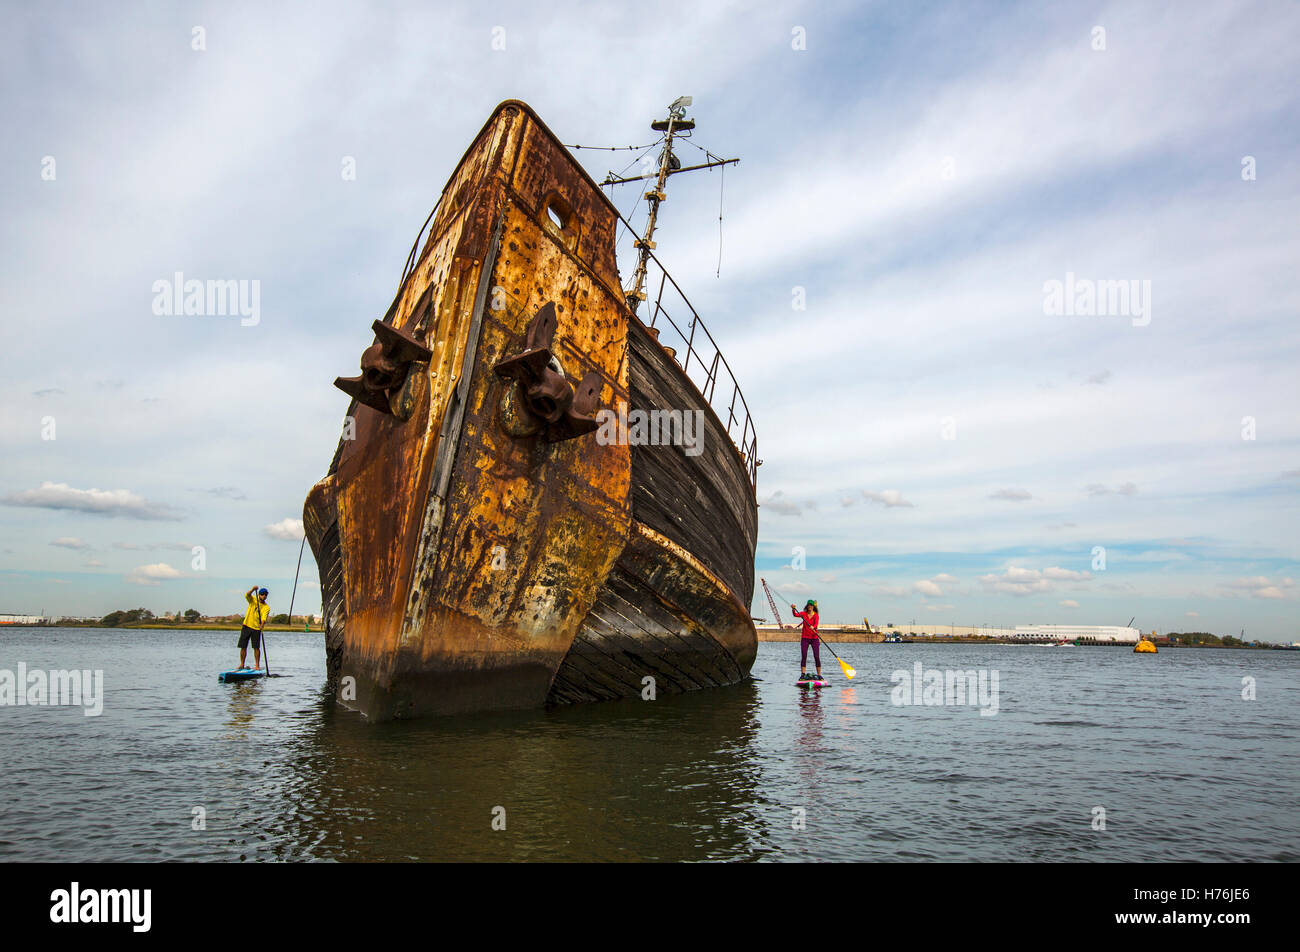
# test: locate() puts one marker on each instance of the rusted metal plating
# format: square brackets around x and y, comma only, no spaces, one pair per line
[385,365]
[549,397]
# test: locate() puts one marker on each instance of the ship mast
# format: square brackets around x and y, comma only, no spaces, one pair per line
[669,164]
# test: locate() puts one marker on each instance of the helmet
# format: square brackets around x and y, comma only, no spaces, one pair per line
[262,591]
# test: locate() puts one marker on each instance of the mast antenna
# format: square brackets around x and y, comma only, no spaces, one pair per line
[669,164]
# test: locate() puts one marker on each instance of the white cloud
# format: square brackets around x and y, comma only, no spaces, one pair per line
[1101,489]
[224,492]
[1157,555]
[1021,581]
[288,529]
[1056,572]
[151,546]
[890,498]
[154,574]
[1017,581]
[1012,495]
[100,502]
[1068,603]
[70,542]
[1260,586]
[783,506]
[1018,121]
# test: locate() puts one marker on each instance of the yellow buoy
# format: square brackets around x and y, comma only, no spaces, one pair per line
[1144,647]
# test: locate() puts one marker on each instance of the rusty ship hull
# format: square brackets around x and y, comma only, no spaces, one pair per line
[480,546]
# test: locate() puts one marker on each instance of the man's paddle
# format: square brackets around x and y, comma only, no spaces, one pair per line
[849,672]
[261,631]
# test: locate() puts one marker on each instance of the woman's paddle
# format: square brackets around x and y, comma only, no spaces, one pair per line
[847,668]
[849,672]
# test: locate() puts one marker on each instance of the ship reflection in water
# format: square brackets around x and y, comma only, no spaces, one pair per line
[769,771]
[671,779]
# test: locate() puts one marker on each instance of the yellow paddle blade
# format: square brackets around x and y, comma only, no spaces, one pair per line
[847,668]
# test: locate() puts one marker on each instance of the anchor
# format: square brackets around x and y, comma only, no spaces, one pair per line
[384,367]
[549,397]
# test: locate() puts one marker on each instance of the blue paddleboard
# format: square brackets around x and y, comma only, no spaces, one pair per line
[243,674]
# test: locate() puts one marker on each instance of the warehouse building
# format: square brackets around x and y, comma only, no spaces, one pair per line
[1088,634]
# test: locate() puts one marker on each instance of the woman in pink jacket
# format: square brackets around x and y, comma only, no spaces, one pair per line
[808,637]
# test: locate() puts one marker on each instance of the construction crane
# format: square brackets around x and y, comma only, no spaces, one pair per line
[776,615]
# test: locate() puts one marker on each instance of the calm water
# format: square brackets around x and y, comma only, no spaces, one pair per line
[1183,766]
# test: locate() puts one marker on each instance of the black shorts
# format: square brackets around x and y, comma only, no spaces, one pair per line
[247,635]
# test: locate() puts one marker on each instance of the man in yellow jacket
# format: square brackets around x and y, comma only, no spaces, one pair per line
[254,622]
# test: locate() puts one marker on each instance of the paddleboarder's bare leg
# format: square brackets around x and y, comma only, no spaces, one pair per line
[257,658]
[243,653]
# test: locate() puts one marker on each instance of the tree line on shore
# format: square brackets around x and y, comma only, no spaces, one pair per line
[191,616]
[1205,638]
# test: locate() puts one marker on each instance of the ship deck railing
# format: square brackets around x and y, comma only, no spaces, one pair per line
[701,360]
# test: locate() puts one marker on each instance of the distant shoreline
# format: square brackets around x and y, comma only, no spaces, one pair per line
[174,626]
[859,636]
[846,636]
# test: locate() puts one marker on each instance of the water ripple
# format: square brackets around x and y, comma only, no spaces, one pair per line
[1181,766]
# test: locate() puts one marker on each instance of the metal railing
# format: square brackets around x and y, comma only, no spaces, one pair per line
[702,362]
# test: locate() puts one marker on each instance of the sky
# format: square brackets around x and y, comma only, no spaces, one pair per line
[920,186]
